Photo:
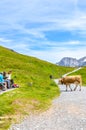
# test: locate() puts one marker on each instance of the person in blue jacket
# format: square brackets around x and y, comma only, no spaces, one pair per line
[1,78]
[2,83]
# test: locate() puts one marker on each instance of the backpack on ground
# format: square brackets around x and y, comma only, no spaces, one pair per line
[15,86]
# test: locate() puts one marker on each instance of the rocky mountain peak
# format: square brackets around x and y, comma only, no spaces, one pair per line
[72,62]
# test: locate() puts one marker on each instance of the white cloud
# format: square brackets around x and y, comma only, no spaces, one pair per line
[56,54]
[74,42]
[5,40]
[60,14]
[54,15]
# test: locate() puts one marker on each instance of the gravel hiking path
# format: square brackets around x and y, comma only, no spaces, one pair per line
[1,92]
[68,112]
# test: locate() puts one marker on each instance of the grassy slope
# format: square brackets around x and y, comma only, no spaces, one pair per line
[27,99]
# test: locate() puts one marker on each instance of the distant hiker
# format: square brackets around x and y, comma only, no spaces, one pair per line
[8,75]
[7,78]
[4,75]
[7,81]
[51,77]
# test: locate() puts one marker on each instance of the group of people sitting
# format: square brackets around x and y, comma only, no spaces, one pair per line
[5,80]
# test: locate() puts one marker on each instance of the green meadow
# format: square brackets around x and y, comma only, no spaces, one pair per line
[36,90]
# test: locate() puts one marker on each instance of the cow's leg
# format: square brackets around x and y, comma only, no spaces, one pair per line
[70,87]
[80,88]
[66,87]
[76,87]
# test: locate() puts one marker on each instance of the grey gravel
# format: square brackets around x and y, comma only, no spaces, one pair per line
[68,112]
[7,90]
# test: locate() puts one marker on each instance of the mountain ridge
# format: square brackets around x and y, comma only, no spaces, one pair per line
[72,62]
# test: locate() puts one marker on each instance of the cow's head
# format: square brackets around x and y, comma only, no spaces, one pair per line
[60,81]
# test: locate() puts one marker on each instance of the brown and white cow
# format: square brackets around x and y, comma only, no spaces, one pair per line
[68,80]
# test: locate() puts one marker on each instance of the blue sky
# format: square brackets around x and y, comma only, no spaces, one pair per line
[49,30]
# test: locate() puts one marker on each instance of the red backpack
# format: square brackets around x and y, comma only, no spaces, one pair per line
[15,86]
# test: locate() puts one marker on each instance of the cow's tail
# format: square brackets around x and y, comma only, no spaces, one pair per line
[80,83]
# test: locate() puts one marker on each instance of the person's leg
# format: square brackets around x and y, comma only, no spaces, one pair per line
[4,86]
[11,81]
[8,83]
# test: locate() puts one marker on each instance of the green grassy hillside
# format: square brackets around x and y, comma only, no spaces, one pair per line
[28,98]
